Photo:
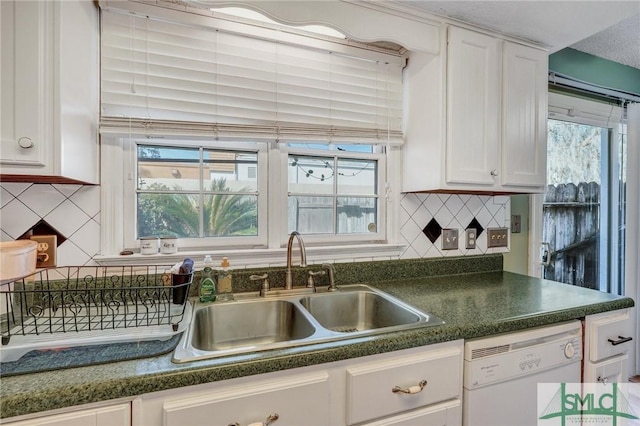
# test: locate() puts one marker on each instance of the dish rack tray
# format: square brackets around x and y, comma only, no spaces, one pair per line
[117,302]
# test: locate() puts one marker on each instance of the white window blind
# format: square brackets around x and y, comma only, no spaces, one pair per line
[172,76]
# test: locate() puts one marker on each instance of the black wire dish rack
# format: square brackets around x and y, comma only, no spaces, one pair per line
[80,305]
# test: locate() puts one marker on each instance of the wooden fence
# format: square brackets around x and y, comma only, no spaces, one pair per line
[571,218]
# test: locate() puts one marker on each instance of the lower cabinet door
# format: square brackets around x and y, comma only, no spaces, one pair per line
[445,414]
[612,370]
[294,401]
[117,415]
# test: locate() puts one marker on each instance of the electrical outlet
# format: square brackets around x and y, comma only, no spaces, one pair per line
[516,223]
[449,239]
[46,250]
[498,237]
[471,234]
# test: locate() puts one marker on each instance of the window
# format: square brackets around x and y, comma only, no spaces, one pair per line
[196,192]
[336,194]
[228,129]
[582,222]
[186,189]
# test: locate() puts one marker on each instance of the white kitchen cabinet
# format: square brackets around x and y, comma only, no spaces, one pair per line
[116,415]
[476,117]
[298,400]
[446,413]
[473,108]
[346,392]
[608,339]
[370,385]
[50,91]
[524,118]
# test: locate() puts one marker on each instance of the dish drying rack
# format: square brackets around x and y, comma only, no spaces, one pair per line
[77,306]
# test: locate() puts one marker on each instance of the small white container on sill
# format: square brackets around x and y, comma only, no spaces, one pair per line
[149,245]
[168,245]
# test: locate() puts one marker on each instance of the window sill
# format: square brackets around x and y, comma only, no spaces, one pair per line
[254,258]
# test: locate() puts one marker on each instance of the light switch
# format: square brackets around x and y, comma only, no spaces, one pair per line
[516,223]
[498,237]
[449,239]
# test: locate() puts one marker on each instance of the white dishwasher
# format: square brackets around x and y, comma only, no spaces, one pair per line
[501,372]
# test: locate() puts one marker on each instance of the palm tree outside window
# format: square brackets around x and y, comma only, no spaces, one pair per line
[193,192]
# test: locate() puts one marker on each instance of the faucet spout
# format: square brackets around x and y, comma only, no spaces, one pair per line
[288,285]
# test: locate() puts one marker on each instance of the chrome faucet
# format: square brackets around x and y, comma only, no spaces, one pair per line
[288,283]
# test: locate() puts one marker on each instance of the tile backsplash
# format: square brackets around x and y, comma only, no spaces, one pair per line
[421,213]
[74,211]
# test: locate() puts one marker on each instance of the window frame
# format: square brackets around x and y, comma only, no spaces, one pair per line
[272,210]
[130,197]
[118,185]
[575,109]
[372,237]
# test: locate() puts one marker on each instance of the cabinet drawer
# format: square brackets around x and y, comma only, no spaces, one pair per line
[298,400]
[608,334]
[370,387]
[448,413]
[117,415]
[612,370]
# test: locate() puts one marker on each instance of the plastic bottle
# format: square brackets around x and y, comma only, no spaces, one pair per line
[207,281]
[225,290]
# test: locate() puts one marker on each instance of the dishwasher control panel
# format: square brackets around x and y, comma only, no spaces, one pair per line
[506,356]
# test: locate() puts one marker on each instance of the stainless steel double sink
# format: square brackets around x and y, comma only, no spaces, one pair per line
[252,323]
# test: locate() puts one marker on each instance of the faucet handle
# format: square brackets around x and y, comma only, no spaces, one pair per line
[332,282]
[264,287]
[310,281]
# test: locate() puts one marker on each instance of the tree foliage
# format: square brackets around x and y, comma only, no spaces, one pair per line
[573,153]
[177,214]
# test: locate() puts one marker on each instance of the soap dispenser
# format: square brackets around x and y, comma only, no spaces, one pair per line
[207,281]
[225,290]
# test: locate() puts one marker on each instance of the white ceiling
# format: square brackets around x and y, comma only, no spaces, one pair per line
[608,28]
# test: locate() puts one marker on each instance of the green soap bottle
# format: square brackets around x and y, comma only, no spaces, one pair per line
[207,281]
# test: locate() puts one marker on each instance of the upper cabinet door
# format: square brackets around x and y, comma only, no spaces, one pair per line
[24,72]
[524,139]
[473,108]
[49,91]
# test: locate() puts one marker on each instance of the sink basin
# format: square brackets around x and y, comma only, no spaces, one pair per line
[231,325]
[355,311]
[284,319]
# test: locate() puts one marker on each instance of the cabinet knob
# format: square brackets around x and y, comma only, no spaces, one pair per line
[25,142]
[494,172]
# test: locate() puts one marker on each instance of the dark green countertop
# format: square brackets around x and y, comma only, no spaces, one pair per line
[472,305]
